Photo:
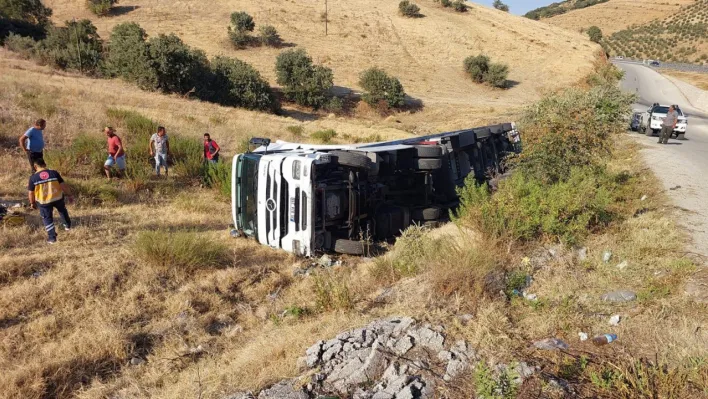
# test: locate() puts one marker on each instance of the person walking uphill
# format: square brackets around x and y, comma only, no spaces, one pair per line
[211,149]
[159,147]
[46,188]
[32,142]
[116,153]
[668,126]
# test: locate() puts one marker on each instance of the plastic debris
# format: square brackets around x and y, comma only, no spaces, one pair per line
[550,344]
[644,198]
[530,297]
[622,265]
[583,336]
[582,254]
[604,339]
[607,256]
[615,320]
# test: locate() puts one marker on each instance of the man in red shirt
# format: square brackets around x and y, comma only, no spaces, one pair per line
[116,153]
[211,149]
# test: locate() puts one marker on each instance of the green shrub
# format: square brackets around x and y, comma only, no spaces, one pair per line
[481,70]
[218,176]
[477,67]
[499,5]
[240,39]
[75,46]
[496,75]
[408,9]
[524,208]
[459,6]
[136,125]
[84,157]
[334,105]
[242,22]
[555,142]
[178,68]
[238,84]
[100,7]
[23,45]
[324,136]
[32,11]
[180,251]
[268,36]
[187,157]
[446,3]
[304,83]
[595,34]
[381,87]
[128,56]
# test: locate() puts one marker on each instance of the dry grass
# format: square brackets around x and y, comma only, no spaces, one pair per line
[697,79]
[616,15]
[424,53]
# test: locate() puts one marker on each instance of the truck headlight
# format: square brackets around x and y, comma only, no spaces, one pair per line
[297,165]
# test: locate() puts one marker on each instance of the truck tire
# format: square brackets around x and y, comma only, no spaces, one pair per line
[427,163]
[428,151]
[353,160]
[426,214]
[349,247]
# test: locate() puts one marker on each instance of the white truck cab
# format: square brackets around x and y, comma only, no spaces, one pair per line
[306,198]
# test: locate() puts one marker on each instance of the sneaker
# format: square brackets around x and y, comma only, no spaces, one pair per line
[52,241]
[66,227]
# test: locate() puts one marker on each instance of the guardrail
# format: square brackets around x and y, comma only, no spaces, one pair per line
[666,65]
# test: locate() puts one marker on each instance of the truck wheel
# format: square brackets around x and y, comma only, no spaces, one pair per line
[353,160]
[426,214]
[427,164]
[349,247]
[428,151]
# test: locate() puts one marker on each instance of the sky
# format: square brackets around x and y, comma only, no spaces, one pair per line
[519,7]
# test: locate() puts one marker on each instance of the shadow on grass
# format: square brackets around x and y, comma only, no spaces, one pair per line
[122,10]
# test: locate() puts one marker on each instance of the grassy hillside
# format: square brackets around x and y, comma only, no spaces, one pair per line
[426,53]
[681,36]
[616,15]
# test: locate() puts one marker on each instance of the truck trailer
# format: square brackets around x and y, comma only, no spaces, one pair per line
[308,199]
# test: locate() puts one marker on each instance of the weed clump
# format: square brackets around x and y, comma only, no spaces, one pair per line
[100,7]
[324,136]
[182,251]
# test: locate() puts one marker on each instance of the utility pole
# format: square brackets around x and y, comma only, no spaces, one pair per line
[78,48]
[326,16]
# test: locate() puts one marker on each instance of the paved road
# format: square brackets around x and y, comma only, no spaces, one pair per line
[681,163]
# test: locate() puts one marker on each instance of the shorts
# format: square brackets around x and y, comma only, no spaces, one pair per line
[119,162]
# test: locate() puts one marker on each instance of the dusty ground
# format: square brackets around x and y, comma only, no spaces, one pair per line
[426,54]
[616,15]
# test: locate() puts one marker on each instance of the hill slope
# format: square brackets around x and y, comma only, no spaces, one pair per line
[425,53]
[616,15]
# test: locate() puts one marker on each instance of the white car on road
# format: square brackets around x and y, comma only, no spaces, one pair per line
[653,118]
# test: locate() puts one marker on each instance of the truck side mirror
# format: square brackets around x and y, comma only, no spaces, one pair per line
[259,141]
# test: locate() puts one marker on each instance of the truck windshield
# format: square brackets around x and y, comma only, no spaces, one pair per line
[248,193]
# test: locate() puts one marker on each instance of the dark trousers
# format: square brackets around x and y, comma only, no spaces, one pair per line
[47,213]
[33,156]
[665,134]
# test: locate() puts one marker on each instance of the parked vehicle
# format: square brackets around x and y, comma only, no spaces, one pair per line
[635,121]
[652,119]
[655,63]
[307,198]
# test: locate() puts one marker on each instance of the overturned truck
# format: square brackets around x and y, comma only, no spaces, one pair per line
[306,198]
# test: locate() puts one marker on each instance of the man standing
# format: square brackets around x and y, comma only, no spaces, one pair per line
[668,126]
[32,142]
[211,149]
[159,147]
[46,188]
[116,153]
